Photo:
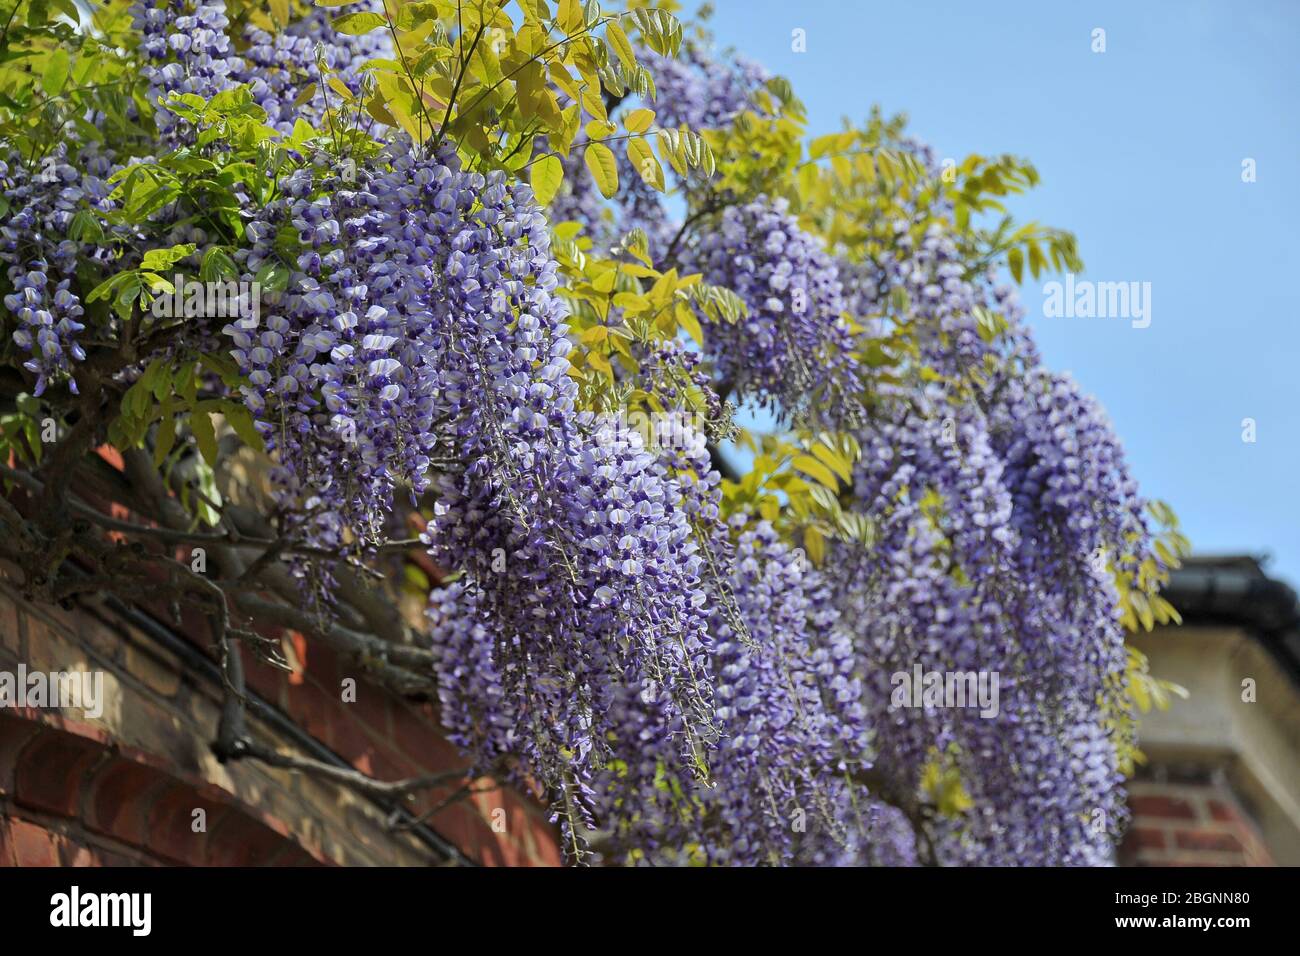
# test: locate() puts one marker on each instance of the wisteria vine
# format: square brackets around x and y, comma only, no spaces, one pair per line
[617,627]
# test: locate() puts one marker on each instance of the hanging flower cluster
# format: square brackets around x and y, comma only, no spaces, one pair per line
[41,257]
[186,49]
[794,350]
[302,58]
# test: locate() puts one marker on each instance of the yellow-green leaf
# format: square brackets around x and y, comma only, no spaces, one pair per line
[815,544]
[358,24]
[622,46]
[631,301]
[638,121]
[604,168]
[833,461]
[548,174]
[810,465]
[596,335]
[376,108]
[570,16]
[687,320]
[600,364]
[644,162]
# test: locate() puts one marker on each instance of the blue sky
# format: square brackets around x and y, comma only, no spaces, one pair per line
[1140,150]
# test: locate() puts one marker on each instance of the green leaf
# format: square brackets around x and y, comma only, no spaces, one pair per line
[56,73]
[242,422]
[186,381]
[166,437]
[217,265]
[156,260]
[604,168]
[273,277]
[85,227]
[358,24]
[204,436]
[548,174]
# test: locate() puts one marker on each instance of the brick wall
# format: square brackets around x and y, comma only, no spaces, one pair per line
[122,788]
[1190,824]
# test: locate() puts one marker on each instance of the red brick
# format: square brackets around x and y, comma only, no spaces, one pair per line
[1150,805]
[1208,840]
[239,840]
[319,662]
[50,772]
[465,828]
[348,739]
[120,798]
[291,854]
[15,734]
[1146,839]
[1222,812]
[372,706]
[170,830]
[33,845]
[297,656]
[546,838]
[311,709]
[424,742]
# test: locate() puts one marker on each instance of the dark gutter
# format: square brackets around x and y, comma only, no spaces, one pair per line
[1236,592]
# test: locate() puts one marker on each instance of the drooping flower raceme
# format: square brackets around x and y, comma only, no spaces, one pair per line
[421,321]
[701,91]
[793,351]
[41,257]
[186,49]
[279,67]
